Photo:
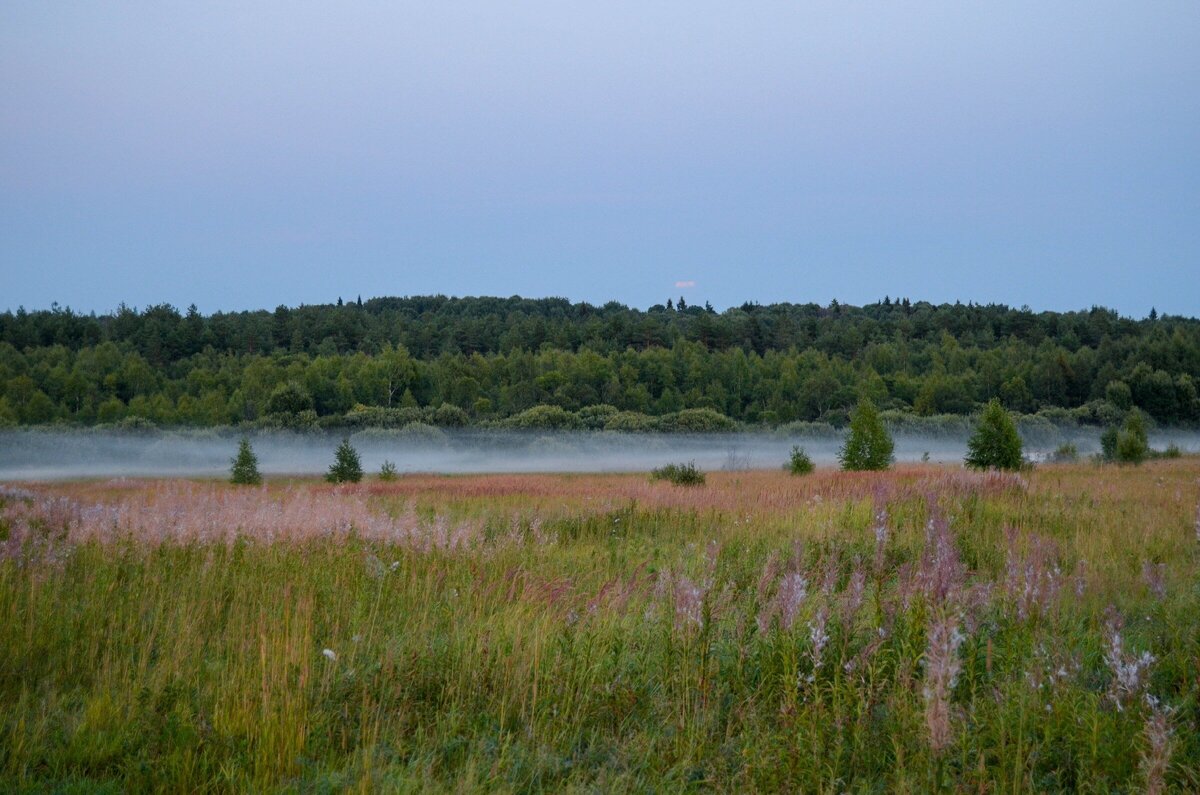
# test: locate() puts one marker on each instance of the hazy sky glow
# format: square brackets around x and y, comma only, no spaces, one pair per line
[242,155]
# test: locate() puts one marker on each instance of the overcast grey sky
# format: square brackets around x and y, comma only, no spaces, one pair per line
[242,155]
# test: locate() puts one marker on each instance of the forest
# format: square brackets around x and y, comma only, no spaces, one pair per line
[549,362]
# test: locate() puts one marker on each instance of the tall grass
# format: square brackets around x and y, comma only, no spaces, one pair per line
[911,631]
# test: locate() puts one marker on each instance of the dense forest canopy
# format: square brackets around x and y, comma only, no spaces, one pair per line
[553,363]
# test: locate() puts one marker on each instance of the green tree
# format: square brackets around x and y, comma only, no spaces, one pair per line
[1119,394]
[289,398]
[869,445]
[1108,443]
[346,467]
[1133,445]
[995,443]
[799,462]
[245,466]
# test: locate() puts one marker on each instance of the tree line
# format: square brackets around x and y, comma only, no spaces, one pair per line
[452,361]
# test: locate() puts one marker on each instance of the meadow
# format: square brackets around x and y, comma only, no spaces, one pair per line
[923,629]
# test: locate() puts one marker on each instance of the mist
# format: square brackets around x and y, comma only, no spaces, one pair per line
[33,455]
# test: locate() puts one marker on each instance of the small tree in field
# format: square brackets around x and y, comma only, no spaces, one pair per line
[995,443]
[346,468]
[387,472]
[799,462]
[869,445]
[1108,443]
[1128,444]
[1133,444]
[245,466]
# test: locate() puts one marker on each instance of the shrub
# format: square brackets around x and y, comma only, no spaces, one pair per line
[417,434]
[1133,446]
[306,420]
[1108,443]
[949,426]
[697,421]
[330,422]
[799,462]
[136,425]
[814,430]
[1066,453]
[631,422]
[596,417]
[679,474]
[380,417]
[869,446]
[1098,412]
[448,415]
[995,444]
[346,468]
[545,417]
[387,471]
[1172,451]
[244,471]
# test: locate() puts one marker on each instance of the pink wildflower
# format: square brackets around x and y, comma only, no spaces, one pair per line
[941,673]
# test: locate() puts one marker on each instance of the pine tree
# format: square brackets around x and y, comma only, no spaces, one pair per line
[995,443]
[245,466]
[346,468]
[869,445]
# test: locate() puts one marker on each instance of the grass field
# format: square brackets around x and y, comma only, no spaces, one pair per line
[922,629]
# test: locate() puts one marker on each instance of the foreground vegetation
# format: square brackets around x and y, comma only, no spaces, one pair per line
[920,629]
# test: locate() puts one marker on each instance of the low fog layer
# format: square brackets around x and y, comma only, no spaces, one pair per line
[57,455]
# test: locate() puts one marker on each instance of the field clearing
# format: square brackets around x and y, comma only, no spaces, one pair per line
[921,629]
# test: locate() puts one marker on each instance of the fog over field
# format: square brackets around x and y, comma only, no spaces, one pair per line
[58,455]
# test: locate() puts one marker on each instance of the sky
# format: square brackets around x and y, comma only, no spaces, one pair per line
[245,155]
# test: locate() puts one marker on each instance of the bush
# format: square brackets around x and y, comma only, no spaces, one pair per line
[948,426]
[1131,449]
[1108,443]
[799,462]
[697,421]
[387,472]
[1172,451]
[869,446]
[679,474]
[244,471]
[1132,445]
[306,420]
[416,433]
[545,417]
[331,422]
[596,417]
[631,422]
[448,415]
[811,430]
[135,425]
[1065,454]
[1098,412]
[346,468]
[380,417]
[995,444]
